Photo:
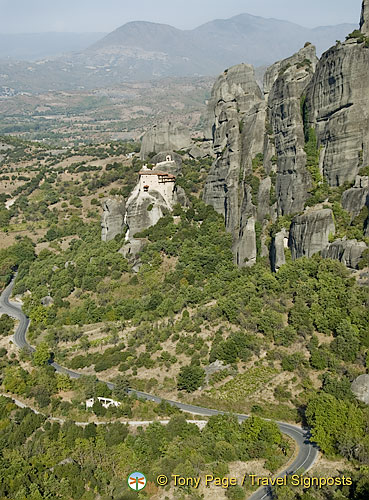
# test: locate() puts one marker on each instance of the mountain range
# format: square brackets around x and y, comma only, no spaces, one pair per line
[139,51]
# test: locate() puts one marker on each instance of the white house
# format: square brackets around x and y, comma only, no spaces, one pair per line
[105,402]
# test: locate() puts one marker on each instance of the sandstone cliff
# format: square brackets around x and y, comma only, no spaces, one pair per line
[296,152]
[238,110]
[112,222]
[165,136]
[155,194]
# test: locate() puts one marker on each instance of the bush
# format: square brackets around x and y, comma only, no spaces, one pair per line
[190,378]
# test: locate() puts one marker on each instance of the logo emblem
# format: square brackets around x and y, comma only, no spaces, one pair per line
[137,481]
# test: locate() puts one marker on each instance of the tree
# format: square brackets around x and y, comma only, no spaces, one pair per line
[6,325]
[42,354]
[121,387]
[190,378]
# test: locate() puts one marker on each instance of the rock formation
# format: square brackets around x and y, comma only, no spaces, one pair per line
[238,110]
[155,194]
[284,153]
[309,233]
[337,102]
[364,20]
[349,252]
[357,197]
[163,137]
[112,222]
[284,117]
[360,387]
[278,245]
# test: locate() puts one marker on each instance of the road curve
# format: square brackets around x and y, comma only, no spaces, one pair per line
[307,451]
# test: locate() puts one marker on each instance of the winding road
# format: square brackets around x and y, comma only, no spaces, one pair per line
[307,451]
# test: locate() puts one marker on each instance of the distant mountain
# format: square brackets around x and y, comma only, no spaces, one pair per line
[33,46]
[140,51]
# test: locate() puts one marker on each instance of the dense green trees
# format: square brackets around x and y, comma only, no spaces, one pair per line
[6,325]
[190,378]
[65,461]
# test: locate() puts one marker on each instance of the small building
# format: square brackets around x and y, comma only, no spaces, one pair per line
[105,402]
[157,180]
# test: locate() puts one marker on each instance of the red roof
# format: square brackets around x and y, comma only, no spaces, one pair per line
[159,174]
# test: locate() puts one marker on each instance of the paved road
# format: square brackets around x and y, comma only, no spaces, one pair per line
[307,452]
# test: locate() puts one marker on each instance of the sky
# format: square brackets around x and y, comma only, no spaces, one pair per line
[35,16]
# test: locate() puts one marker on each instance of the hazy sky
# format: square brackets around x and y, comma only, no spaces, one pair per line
[31,16]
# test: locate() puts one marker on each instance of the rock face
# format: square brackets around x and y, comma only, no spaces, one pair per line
[360,387]
[309,233]
[163,137]
[285,83]
[237,108]
[278,245]
[155,194]
[337,100]
[364,20]
[172,162]
[283,153]
[349,252]
[112,222]
[357,197]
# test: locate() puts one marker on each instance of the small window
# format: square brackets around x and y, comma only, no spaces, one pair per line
[169,158]
[146,188]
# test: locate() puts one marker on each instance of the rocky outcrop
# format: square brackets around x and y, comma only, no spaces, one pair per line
[166,136]
[360,387]
[245,246]
[356,198]
[112,222]
[337,103]
[238,110]
[273,72]
[364,20]
[349,252]
[202,150]
[171,161]
[155,195]
[285,83]
[309,233]
[277,249]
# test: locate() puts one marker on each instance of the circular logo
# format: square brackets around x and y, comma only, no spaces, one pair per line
[137,481]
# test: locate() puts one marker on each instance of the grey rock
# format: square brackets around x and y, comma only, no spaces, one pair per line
[364,20]
[244,248]
[133,247]
[337,100]
[272,72]
[201,150]
[290,79]
[349,252]
[309,233]
[278,245]
[360,387]
[165,136]
[356,198]
[112,222]
[47,301]
[237,108]
[215,367]
[263,208]
[150,200]
[169,161]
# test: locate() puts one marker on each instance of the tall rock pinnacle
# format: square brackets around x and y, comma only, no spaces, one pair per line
[364,21]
